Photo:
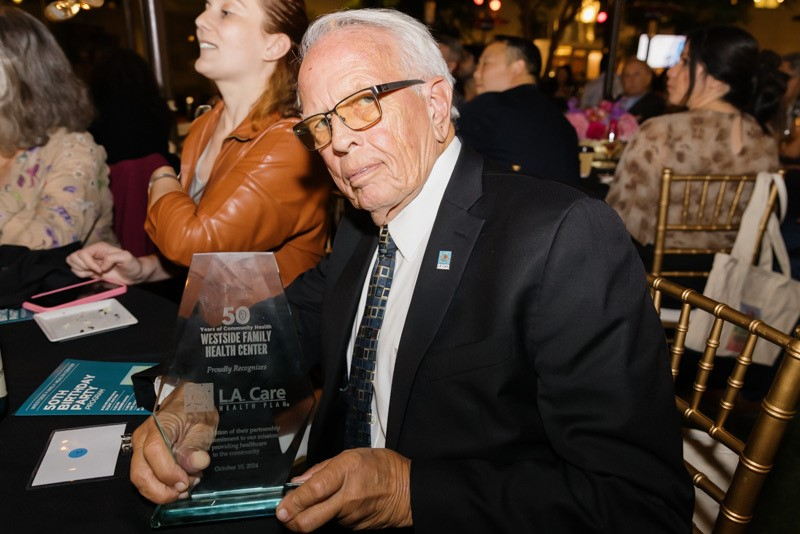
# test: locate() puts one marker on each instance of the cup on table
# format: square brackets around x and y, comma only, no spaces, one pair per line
[586,156]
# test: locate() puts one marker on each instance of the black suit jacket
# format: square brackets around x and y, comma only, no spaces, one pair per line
[523,127]
[650,105]
[532,389]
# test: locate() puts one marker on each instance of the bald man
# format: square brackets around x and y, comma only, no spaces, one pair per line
[637,91]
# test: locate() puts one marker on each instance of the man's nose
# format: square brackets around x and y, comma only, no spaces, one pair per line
[341,135]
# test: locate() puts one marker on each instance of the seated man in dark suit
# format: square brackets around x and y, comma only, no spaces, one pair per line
[512,121]
[637,91]
[491,357]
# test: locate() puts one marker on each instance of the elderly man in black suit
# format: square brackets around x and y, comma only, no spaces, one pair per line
[520,378]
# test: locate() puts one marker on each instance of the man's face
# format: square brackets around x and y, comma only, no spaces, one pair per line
[635,79]
[382,168]
[494,72]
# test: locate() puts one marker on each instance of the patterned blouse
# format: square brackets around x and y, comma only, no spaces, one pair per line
[690,142]
[56,194]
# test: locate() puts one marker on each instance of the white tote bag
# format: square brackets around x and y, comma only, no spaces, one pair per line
[756,290]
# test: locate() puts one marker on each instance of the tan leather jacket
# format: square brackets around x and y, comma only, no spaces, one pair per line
[266,192]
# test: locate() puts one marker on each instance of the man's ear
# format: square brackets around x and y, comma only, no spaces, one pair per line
[518,68]
[277,46]
[439,101]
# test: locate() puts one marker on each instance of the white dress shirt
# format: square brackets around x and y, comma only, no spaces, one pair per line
[410,230]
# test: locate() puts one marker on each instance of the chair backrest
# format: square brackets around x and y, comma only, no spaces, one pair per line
[756,452]
[704,210]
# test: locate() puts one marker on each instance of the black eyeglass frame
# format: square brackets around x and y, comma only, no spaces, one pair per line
[301,130]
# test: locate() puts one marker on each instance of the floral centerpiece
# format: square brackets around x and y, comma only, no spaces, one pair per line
[606,121]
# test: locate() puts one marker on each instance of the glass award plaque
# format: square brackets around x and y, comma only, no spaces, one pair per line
[242,384]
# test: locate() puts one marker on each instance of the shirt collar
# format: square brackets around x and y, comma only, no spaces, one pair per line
[412,226]
[629,101]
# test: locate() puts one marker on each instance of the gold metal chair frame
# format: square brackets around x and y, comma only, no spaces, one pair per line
[757,452]
[708,212]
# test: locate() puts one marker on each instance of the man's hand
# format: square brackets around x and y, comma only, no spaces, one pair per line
[360,488]
[163,476]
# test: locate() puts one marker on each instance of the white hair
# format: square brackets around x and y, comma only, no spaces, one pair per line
[417,51]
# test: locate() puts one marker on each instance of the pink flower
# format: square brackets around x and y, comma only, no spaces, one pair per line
[597,130]
[597,122]
[579,122]
[626,126]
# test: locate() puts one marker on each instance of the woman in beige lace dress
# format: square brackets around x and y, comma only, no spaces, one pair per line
[731,91]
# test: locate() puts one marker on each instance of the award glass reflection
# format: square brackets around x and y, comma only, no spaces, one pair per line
[240,377]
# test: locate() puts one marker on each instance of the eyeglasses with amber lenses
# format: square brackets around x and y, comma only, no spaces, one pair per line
[358,112]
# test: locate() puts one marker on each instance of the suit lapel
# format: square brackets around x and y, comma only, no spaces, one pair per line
[455,230]
[346,294]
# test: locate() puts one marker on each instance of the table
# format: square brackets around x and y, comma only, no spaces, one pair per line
[115,504]
[606,156]
[594,185]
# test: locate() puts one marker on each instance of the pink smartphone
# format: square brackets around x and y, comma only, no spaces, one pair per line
[81,293]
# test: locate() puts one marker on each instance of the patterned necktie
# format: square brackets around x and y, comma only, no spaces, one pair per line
[362,368]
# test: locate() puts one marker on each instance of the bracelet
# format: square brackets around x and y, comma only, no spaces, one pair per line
[162,175]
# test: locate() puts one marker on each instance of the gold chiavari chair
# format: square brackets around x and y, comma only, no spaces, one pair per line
[691,204]
[756,452]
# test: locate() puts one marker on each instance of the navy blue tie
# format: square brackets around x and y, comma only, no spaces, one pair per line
[362,367]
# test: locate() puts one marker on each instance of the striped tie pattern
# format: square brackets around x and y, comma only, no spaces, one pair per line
[362,368]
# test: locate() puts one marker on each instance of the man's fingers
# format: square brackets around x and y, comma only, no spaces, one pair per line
[313,504]
[192,460]
[359,488]
[191,451]
[310,471]
[153,469]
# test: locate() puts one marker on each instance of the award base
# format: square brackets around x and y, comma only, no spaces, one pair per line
[219,505]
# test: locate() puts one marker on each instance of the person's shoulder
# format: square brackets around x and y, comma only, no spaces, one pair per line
[760,143]
[281,125]
[661,124]
[274,143]
[527,187]
[61,139]
[650,96]
[480,103]
[528,92]
[530,98]
[532,202]
[75,152]
[279,131]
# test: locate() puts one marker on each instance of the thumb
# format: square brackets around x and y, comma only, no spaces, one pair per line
[191,452]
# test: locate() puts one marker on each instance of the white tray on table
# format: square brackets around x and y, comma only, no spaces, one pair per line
[84,319]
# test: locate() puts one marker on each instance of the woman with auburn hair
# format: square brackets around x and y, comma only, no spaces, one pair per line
[245,184]
[53,177]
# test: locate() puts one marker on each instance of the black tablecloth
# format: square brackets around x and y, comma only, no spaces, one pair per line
[113,505]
